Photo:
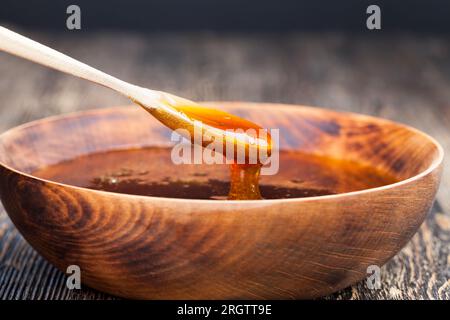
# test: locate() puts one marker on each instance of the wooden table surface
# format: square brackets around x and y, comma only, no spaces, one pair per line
[401,77]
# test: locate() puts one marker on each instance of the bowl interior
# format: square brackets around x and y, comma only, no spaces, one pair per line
[401,151]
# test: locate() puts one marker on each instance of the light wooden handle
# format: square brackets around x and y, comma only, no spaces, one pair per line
[26,48]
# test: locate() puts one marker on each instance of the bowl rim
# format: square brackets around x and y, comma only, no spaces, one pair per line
[432,167]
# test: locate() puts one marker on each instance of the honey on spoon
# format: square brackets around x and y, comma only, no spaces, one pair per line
[174,112]
[244,177]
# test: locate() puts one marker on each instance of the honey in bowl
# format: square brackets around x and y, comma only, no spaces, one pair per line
[150,171]
[129,171]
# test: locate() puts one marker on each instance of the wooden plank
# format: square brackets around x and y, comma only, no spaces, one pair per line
[400,77]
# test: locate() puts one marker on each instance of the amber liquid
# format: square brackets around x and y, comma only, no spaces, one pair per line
[150,172]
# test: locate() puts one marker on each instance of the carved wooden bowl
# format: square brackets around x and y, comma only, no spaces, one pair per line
[162,248]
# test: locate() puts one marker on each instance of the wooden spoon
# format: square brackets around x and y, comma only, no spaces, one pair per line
[173,111]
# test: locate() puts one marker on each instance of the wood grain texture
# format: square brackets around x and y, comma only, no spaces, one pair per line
[402,77]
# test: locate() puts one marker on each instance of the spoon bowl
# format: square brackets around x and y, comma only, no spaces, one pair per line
[163,248]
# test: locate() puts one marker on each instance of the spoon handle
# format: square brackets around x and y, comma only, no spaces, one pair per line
[26,48]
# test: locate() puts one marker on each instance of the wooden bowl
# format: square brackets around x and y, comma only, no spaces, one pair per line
[162,248]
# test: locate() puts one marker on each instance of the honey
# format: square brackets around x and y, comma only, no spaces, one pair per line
[129,171]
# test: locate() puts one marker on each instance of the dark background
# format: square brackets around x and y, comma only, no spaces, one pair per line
[231,15]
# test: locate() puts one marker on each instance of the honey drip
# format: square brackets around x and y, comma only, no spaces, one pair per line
[244,182]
